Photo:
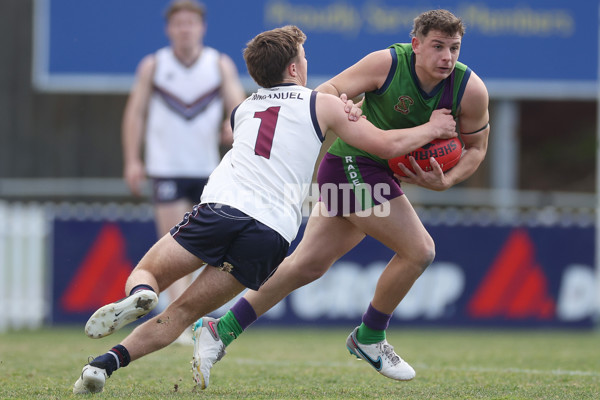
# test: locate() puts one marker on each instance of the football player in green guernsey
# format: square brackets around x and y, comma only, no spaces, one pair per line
[403,86]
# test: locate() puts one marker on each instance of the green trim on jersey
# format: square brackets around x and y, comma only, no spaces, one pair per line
[402,104]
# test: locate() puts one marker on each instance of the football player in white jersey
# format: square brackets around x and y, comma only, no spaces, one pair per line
[177,108]
[250,209]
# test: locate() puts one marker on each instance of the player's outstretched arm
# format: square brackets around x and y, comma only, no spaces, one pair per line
[384,144]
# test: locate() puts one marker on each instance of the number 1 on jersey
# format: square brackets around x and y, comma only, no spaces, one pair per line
[266,131]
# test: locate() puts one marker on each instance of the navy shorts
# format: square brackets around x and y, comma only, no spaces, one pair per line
[166,190]
[352,183]
[226,238]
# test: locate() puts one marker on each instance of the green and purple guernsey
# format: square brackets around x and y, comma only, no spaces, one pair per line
[400,103]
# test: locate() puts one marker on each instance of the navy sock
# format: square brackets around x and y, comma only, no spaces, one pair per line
[140,287]
[114,359]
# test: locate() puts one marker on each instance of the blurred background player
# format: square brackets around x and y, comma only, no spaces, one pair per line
[251,208]
[180,106]
[404,86]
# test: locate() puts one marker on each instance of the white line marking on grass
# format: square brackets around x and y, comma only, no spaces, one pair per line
[351,363]
[557,372]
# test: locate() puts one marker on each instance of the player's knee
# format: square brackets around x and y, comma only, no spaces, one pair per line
[311,274]
[305,270]
[424,255]
[428,258]
[305,273]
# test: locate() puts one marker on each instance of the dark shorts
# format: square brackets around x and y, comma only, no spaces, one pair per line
[351,184]
[226,238]
[166,190]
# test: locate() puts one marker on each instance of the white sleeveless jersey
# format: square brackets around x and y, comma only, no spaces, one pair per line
[184,116]
[269,169]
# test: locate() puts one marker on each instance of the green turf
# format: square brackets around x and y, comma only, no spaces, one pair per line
[314,364]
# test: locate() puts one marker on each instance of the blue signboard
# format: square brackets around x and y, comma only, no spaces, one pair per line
[482,276]
[520,48]
[91,263]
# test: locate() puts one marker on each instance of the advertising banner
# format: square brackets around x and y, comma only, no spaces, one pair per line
[482,276]
[96,45]
[91,262]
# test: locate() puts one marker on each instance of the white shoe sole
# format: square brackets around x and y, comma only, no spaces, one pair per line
[201,368]
[92,380]
[197,361]
[403,373]
[114,316]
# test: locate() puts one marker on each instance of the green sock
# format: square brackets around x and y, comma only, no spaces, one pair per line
[366,335]
[228,328]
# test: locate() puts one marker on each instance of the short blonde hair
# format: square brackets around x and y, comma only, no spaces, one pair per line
[188,5]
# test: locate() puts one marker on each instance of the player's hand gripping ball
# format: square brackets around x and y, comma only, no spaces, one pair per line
[446,152]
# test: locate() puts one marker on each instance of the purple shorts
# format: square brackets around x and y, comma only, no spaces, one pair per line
[351,184]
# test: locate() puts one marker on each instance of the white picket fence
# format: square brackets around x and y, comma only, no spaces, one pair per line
[24,277]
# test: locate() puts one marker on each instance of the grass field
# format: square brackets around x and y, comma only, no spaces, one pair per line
[314,364]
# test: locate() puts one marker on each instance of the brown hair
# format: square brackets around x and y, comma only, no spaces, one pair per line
[188,5]
[437,20]
[269,53]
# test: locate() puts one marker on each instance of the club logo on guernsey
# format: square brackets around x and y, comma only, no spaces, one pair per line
[403,105]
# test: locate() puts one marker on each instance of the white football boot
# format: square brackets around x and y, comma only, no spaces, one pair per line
[208,349]
[114,316]
[92,380]
[382,357]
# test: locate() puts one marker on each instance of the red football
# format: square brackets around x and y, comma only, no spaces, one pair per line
[447,152]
